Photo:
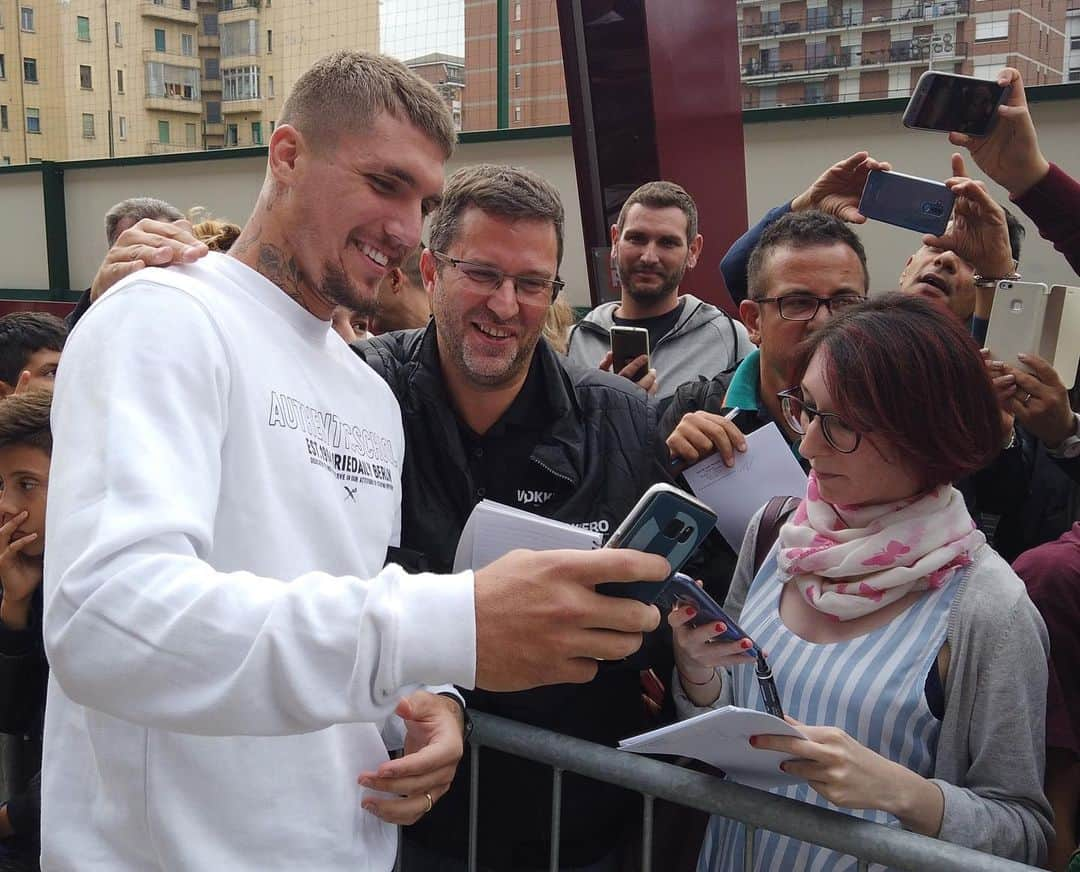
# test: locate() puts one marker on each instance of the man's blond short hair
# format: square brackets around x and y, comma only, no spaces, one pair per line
[346,91]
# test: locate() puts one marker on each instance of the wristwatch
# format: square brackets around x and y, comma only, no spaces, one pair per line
[467,724]
[987,282]
[1070,448]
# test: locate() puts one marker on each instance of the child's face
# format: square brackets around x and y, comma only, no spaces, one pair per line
[42,366]
[24,486]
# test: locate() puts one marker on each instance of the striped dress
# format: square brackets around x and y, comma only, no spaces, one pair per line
[872,686]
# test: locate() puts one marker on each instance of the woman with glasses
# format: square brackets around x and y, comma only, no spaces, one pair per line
[905,648]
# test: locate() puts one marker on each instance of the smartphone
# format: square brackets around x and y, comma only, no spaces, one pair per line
[627,345]
[907,201]
[1017,317]
[665,521]
[1064,312]
[682,588]
[947,101]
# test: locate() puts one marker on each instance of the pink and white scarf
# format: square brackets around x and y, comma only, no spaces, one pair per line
[849,561]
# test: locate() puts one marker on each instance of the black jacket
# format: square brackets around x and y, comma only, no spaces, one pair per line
[599,451]
[24,673]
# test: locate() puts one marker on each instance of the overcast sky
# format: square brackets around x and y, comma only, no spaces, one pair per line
[410,28]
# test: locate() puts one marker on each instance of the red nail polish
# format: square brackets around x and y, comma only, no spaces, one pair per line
[745,643]
[690,611]
[753,741]
[720,628]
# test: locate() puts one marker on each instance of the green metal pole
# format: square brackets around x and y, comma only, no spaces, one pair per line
[502,48]
[56,241]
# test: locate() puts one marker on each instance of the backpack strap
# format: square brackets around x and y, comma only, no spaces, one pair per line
[776,513]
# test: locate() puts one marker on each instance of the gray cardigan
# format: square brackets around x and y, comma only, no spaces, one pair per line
[991,748]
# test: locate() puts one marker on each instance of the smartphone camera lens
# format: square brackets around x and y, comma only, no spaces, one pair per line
[674,529]
[685,535]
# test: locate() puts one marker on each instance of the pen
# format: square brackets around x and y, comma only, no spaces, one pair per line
[768,687]
[730,416]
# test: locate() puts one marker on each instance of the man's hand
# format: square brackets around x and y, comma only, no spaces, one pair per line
[1041,402]
[838,190]
[1010,154]
[19,575]
[433,747]
[701,433]
[978,231]
[647,382]
[147,243]
[539,619]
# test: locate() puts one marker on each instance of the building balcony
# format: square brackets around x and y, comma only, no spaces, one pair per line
[237,107]
[852,19]
[182,11]
[756,72]
[159,103]
[155,147]
[237,10]
[210,84]
[214,128]
[171,58]
[209,40]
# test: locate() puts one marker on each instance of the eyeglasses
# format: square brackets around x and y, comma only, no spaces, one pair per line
[804,307]
[530,290]
[799,414]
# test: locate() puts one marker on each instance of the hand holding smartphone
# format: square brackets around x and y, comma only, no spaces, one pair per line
[683,589]
[950,102]
[627,345]
[923,205]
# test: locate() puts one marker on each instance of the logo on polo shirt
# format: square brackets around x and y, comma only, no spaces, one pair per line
[533,497]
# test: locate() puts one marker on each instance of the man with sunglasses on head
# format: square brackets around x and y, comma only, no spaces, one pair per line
[491,411]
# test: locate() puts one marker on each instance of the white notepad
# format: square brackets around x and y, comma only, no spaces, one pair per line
[721,738]
[494,530]
[767,469]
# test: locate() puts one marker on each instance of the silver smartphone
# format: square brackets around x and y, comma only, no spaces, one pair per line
[1017,318]
[951,102]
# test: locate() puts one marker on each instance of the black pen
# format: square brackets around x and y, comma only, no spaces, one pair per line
[768,687]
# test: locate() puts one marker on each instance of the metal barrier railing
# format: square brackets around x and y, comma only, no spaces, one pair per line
[866,841]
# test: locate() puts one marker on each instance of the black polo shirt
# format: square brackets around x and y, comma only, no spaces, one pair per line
[500,463]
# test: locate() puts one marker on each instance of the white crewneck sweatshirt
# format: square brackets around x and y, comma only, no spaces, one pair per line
[225,644]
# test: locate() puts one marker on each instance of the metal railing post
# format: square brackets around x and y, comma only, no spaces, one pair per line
[556,816]
[474,802]
[646,832]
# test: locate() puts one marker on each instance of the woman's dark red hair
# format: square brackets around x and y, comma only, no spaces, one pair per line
[912,375]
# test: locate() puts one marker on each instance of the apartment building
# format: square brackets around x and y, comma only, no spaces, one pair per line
[536,86]
[1072,57]
[447,73]
[114,78]
[814,51]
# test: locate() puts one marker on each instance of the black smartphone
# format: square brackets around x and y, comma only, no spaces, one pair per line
[906,201]
[950,102]
[627,345]
[682,589]
[665,521]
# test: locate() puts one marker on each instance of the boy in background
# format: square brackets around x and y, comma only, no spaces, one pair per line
[25,455]
[30,346]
